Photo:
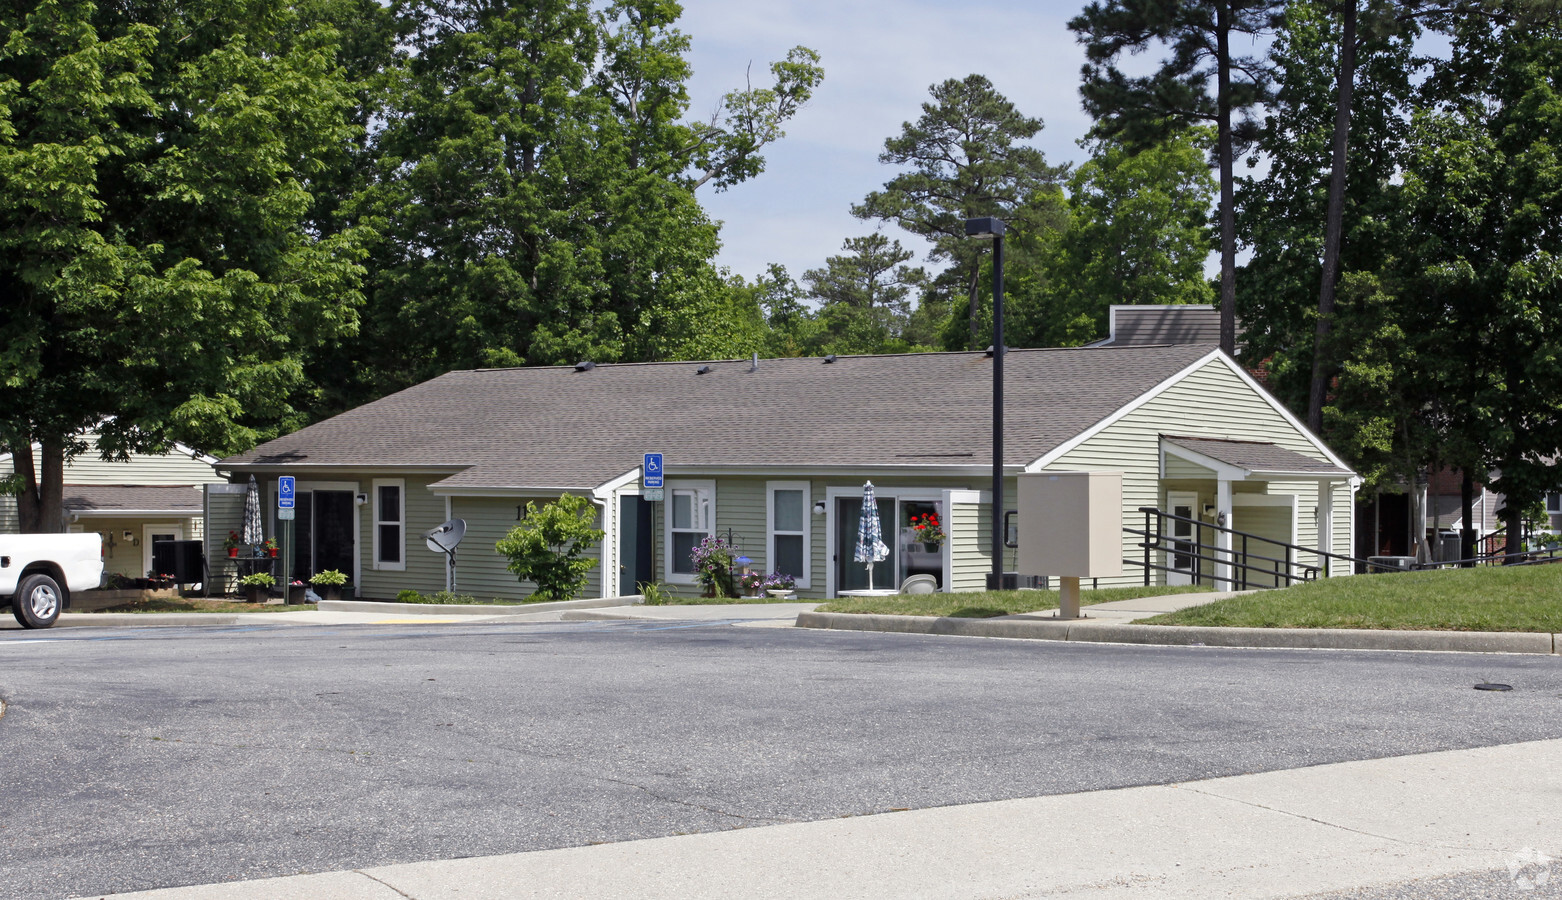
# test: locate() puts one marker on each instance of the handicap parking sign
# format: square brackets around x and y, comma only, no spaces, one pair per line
[285,486]
[652,471]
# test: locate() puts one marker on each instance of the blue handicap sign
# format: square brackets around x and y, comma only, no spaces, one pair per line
[285,486]
[652,470]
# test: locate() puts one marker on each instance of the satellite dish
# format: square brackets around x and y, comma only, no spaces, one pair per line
[446,537]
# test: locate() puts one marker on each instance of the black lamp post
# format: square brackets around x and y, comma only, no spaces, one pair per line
[989,228]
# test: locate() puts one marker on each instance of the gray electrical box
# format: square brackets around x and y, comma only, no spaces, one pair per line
[1071,524]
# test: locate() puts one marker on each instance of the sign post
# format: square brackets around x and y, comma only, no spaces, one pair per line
[286,490]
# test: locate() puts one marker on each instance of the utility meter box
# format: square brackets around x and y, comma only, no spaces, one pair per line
[1071,524]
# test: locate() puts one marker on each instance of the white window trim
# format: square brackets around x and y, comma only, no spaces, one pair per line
[805,577]
[401,486]
[707,485]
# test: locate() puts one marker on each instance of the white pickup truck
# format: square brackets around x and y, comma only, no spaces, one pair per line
[39,571]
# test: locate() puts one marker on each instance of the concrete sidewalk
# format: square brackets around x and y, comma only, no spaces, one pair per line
[1272,835]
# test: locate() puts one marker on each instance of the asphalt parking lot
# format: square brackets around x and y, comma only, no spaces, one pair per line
[141,758]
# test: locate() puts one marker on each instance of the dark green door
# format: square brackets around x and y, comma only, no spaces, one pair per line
[851,575]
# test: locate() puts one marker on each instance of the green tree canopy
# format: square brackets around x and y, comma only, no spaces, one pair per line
[536,183]
[163,280]
[964,158]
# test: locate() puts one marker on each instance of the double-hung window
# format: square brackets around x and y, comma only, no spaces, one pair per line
[691,518]
[390,523]
[786,530]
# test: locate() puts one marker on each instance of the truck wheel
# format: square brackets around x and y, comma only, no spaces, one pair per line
[37,601]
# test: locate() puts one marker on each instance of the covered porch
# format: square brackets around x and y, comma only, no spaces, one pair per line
[1272,509]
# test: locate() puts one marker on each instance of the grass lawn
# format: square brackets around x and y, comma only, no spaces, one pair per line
[200,605]
[986,604]
[1511,598]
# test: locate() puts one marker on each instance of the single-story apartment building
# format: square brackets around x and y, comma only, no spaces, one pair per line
[132,503]
[774,454]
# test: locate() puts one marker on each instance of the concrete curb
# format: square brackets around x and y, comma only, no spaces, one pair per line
[146,620]
[1188,635]
[478,609]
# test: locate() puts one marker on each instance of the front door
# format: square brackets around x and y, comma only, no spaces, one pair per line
[851,575]
[634,545]
[323,535]
[156,534]
[1180,559]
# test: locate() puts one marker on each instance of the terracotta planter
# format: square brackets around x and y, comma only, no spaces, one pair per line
[233,552]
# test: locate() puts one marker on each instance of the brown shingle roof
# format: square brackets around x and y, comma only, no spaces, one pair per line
[110,499]
[1256,456]
[558,428]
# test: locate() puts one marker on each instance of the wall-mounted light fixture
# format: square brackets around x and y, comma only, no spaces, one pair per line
[1209,510]
[361,499]
[130,535]
[819,508]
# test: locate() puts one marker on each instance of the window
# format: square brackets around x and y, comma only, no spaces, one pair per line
[1554,503]
[786,516]
[691,517]
[390,521]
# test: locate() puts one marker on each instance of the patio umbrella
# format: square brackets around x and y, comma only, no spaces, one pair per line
[870,534]
[254,533]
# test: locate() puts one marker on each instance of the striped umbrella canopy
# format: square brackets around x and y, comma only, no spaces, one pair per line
[870,533]
[254,532]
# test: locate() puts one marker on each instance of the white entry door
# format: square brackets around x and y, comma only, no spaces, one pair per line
[154,534]
[1181,562]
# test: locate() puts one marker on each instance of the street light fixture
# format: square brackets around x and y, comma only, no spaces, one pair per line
[989,228]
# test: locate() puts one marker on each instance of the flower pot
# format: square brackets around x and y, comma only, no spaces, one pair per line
[295,594]
[256,593]
[273,552]
[779,592]
[233,552]
[332,592]
[930,546]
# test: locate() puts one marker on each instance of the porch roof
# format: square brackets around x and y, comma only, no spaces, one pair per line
[120,500]
[1252,458]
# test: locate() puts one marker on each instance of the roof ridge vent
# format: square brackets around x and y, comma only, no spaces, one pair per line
[702,370]
[829,359]
[585,365]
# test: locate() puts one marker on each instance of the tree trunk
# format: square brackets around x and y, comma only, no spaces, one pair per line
[976,278]
[1228,225]
[1513,523]
[1418,546]
[1333,220]
[1467,515]
[38,507]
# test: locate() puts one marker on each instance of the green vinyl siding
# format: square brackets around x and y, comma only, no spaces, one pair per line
[970,546]
[480,568]
[10,522]
[421,511]
[1180,468]
[226,513]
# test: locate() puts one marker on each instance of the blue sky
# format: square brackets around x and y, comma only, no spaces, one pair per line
[879,60]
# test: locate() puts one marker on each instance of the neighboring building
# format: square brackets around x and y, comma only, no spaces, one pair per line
[777,456]
[132,504]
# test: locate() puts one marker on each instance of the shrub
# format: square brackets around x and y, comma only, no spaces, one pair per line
[713,565]
[548,547]
[328,578]
[259,579]
[409,596]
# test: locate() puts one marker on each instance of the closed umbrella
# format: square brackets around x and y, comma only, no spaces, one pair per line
[870,534]
[254,532]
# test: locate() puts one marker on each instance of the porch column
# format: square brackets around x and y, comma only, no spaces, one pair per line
[1325,526]
[1222,538]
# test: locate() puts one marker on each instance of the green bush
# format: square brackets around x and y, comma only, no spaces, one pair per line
[409,596]
[329,578]
[548,547]
[259,579]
